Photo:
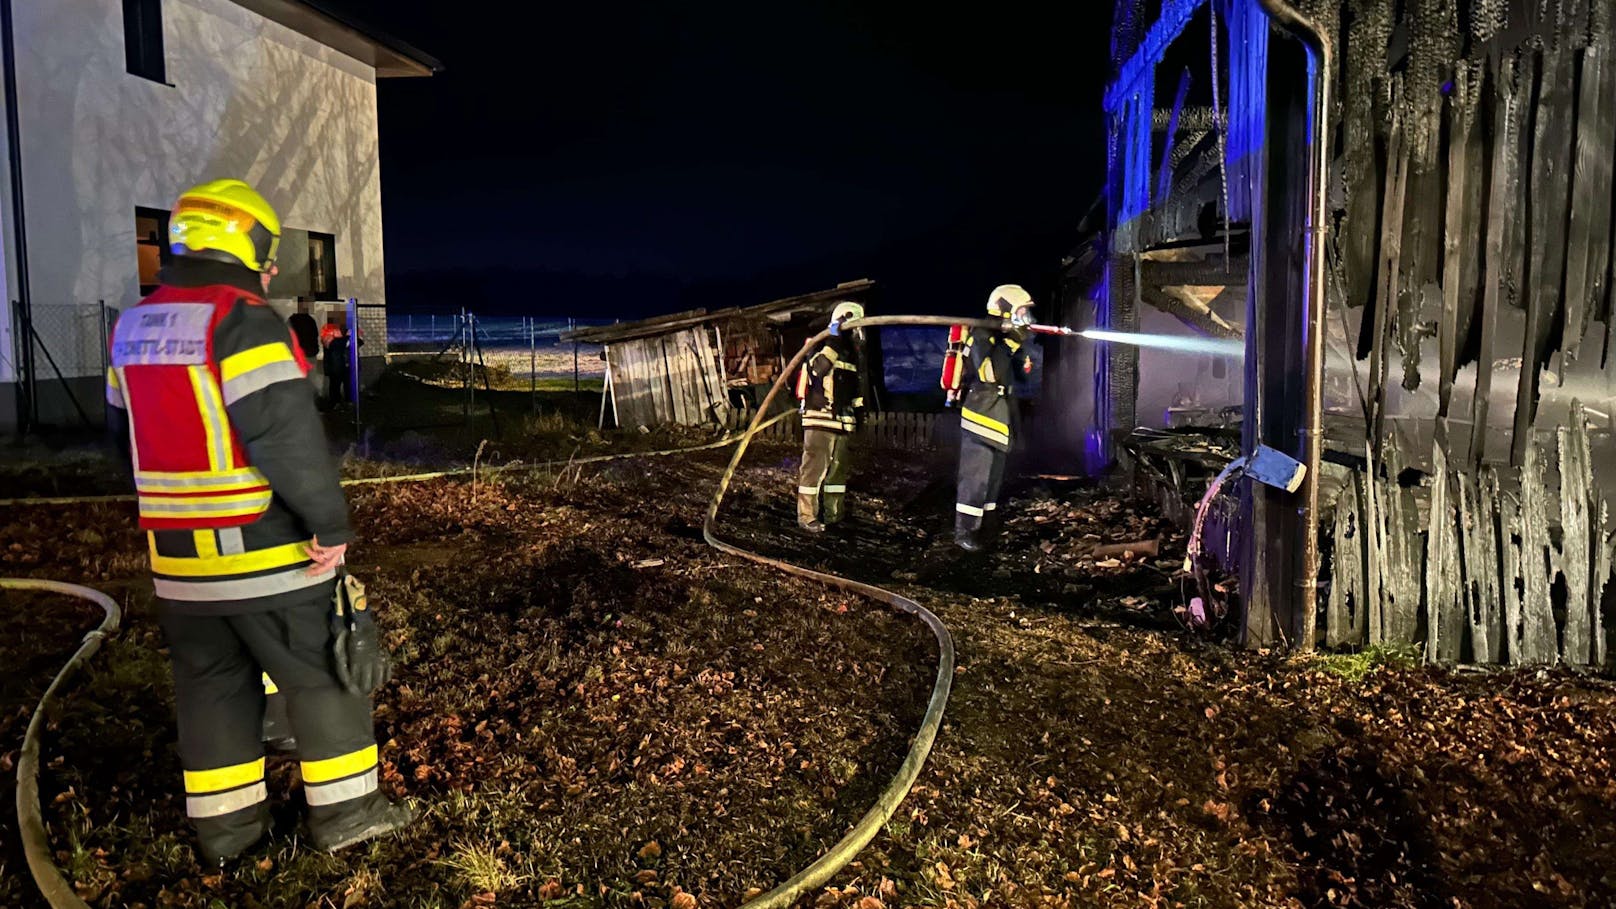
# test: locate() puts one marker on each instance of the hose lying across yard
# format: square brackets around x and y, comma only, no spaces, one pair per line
[826,866]
[59,893]
[30,822]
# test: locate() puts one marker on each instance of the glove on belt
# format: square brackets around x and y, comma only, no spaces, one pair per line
[361,661]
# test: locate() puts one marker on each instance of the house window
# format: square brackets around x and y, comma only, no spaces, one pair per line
[323,266]
[143,39]
[151,245]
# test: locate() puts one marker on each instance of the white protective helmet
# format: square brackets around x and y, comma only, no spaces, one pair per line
[847,309]
[1006,299]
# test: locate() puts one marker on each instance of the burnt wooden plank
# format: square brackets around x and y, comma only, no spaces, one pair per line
[1364,171]
[1387,284]
[1526,67]
[1479,530]
[1588,237]
[1549,207]
[1374,532]
[1510,538]
[1444,591]
[1459,238]
[1501,213]
[1538,644]
[1580,538]
[1404,552]
[1432,30]
[1345,623]
[1604,551]
[1420,250]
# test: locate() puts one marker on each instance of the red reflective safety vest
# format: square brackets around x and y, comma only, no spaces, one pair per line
[191,469]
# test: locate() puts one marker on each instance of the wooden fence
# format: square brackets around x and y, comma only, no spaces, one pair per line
[1504,567]
[902,431]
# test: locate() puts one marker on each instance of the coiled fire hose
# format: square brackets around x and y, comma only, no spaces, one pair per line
[30,821]
[838,856]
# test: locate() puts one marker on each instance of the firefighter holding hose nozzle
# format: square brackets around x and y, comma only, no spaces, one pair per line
[248,529]
[980,370]
[829,390]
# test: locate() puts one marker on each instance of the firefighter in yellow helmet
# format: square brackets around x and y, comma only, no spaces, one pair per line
[247,529]
[830,392]
[994,361]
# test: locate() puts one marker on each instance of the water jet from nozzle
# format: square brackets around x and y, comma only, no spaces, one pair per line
[1217,347]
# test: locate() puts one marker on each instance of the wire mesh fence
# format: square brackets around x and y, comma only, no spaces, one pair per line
[486,373]
[61,360]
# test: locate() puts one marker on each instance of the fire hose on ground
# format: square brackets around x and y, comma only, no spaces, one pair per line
[839,855]
[30,820]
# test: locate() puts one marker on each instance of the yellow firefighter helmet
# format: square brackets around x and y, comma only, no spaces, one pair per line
[1006,299]
[228,221]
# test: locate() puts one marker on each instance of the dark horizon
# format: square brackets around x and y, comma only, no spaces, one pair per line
[622,163]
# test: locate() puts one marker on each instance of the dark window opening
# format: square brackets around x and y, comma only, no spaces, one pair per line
[143,39]
[151,245]
[323,266]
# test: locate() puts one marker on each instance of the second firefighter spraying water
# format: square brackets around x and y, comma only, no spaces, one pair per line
[980,371]
[832,401]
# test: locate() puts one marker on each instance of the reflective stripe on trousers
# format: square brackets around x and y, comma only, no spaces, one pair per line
[223,790]
[341,778]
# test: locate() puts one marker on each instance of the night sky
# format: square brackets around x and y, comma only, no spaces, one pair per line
[620,160]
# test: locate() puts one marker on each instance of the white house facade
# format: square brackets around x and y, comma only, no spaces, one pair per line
[115,106]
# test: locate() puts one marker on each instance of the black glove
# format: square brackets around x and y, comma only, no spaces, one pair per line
[362,663]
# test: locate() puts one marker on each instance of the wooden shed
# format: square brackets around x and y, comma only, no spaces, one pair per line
[703,366]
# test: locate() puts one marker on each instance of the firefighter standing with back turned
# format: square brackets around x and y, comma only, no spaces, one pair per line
[829,388]
[247,529]
[985,364]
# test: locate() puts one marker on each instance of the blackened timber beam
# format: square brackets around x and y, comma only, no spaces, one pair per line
[1271,563]
[1588,243]
[1175,17]
[1502,195]
[1549,209]
[1183,306]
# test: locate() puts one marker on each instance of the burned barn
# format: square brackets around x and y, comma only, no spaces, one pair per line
[1404,209]
[706,367]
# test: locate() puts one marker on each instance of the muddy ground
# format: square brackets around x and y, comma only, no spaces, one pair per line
[593,708]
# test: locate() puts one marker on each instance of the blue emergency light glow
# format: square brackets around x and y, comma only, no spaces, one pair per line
[1217,347]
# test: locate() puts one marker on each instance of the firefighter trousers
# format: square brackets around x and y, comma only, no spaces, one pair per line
[219,663]
[822,483]
[981,471]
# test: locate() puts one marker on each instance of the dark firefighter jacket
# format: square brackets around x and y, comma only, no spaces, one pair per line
[830,387]
[997,359]
[231,467]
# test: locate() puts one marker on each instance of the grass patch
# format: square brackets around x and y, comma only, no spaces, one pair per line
[1354,667]
[482,867]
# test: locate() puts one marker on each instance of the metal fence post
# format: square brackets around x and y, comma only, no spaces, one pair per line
[353,359]
[533,362]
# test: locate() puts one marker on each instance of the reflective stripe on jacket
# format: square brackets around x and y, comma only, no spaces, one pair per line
[997,360]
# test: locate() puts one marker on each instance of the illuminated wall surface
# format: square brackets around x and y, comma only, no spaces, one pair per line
[247,98]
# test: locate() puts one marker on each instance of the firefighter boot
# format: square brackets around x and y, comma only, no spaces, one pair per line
[387,818]
[965,537]
[219,843]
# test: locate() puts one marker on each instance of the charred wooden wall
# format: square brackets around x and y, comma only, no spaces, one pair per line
[1471,255]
